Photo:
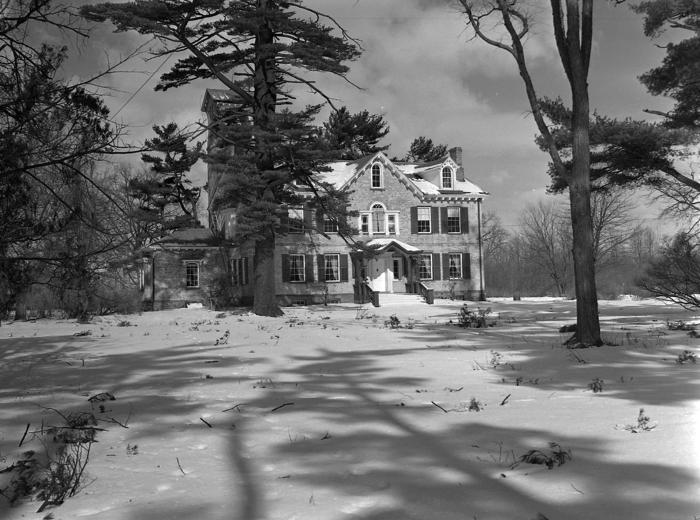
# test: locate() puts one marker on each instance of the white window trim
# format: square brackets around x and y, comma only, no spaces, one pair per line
[381,176]
[370,223]
[337,255]
[303,268]
[199,274]
[459,220]
[459,275]
[430,257]
[452,178]
[430,220]
[297,211]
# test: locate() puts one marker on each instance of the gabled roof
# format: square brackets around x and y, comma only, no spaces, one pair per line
[188,237]
[382,244]
[342,174]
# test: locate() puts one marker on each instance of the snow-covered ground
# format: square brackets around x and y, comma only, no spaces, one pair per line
[327,413]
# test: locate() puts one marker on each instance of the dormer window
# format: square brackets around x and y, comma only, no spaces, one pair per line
[447,180]
[377,176]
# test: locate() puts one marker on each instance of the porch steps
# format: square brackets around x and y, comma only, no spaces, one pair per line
[391,299]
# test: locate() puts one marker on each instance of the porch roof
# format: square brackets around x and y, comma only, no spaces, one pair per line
[383,244]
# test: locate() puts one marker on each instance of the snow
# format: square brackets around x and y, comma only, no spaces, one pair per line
[326,413]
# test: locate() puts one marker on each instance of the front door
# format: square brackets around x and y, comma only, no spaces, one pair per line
[381,273]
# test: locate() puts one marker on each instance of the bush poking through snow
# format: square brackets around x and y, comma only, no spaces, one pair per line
[596,385]
[474,405]
[556,456]
[393,322]
[686,357]
[56,473]
[475,319]
[644,424]
[679,325]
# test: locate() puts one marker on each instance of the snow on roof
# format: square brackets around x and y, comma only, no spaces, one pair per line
[188,236]
[384,243]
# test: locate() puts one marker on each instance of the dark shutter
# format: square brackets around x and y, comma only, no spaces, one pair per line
[405,267]
[319,220]
[414,220]
[308,220]
[320,260]
[434,220]
[443,219]
[445,266]
[436,266]
[284,221]
[464,219]
[244,270]
[309,268]
[343,268]
[285,268]
[466,266]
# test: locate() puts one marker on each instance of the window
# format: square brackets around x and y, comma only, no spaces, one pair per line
[425,267]
[296,220]
[377,176]
[378,219]
[332,268]
[192,274]
[423,220]
[364,223]
[397,268]
[453,220]
[455,265]
[297,270]
[447,178]
[239,271]
[329,225]
[391,223]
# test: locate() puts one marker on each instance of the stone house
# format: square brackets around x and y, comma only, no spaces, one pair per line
[422,221]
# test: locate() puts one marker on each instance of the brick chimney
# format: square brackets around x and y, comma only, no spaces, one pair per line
[456,156]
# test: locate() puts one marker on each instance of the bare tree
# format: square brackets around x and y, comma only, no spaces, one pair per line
[612,224]
[573,29]
[546,240]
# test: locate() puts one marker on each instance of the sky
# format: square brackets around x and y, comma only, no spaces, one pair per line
[421,70]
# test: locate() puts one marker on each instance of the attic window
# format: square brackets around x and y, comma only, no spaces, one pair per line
[447,178]
[377,178]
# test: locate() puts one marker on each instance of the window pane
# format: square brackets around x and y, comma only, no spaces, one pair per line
[453,220]
[329,226]
[446,178]
[425,268]
[296,268]
[376,176]
[296,220]
[364,223]
[192,275]
[378,219]
[391,224]
[455,262]
[423,220]
[332,268]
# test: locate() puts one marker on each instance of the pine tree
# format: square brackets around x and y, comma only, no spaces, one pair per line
[259,49]
[423,149]
[354,135]
[167,185]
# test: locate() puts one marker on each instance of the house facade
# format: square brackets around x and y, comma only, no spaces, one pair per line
[418,226]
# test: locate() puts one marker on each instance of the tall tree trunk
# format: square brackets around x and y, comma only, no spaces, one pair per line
[264,105]
[576,58]
[264,295]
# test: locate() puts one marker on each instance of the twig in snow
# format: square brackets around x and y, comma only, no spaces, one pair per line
[280,406]
[205,422]
[24,436]
[179,466]
[505,400]
[441,408]
[234,407]
[576,489]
